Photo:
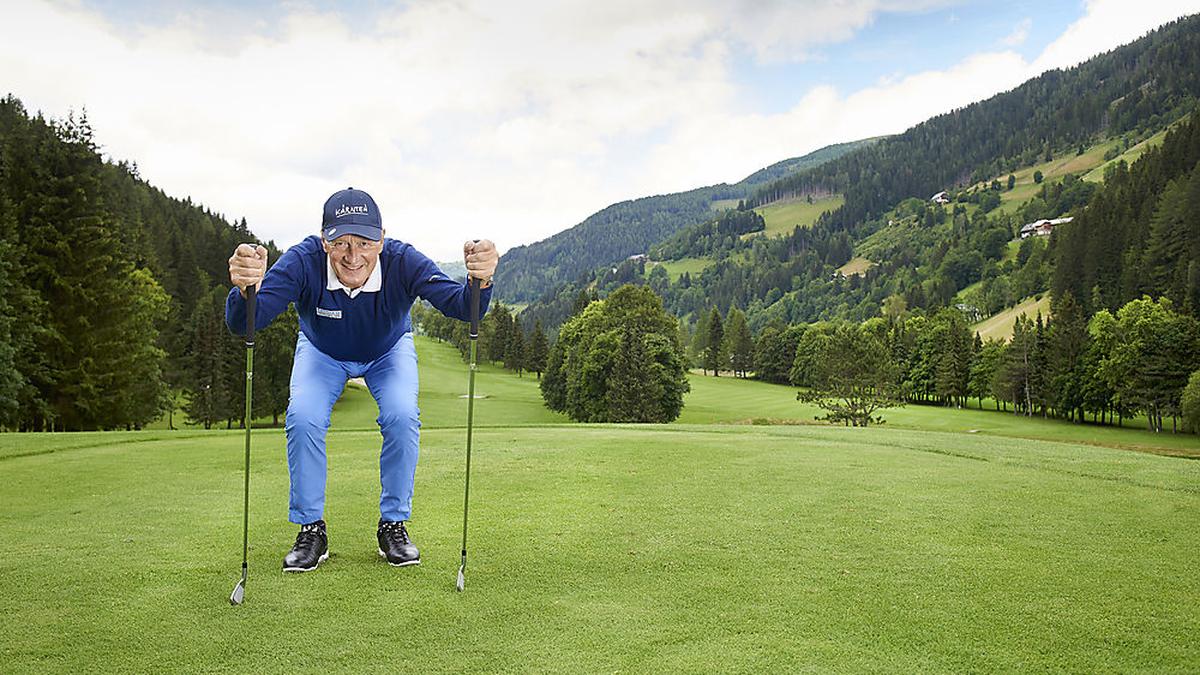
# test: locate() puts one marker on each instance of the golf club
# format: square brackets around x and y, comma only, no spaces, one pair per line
[462,568]
[239,591]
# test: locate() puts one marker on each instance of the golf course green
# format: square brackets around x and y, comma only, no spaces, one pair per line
[712,544]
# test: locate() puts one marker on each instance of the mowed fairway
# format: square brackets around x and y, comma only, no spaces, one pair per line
[693,547]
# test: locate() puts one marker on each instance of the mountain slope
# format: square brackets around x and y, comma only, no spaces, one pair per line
[926,253]
[626,228]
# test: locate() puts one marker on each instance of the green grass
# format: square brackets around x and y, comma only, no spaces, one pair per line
[726,400]
[857,265]
[1129,156]
[615,548]
[999,326]
[501,397]
[1011,252]
[696,546]
[783,216]
[676,268]
[1091,165]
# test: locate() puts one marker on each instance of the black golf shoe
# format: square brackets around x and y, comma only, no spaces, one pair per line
[311,548]
[395,545]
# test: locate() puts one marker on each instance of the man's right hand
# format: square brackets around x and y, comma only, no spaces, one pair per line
[247,266]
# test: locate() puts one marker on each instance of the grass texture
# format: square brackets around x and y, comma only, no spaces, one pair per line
[696,546]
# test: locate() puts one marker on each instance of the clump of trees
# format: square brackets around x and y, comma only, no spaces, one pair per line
[852,375]
[723,344]
[619,360]
[1111,367]
[503,339]
[111,292]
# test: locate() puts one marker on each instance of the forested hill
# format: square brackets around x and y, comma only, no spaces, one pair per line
[1140,235]
[1036,152]
[1147,82]
[109,289]
[626,228]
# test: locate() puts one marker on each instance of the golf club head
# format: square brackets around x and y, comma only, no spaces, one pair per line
[239,594]
[461,580]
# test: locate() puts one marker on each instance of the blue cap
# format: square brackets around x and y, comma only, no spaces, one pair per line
[351,211]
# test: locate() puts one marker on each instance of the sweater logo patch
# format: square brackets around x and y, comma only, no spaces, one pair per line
[329,313]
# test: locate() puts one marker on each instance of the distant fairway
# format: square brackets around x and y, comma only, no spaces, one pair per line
[694,546]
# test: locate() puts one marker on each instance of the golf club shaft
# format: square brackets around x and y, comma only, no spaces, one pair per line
[250,302]
[470,408]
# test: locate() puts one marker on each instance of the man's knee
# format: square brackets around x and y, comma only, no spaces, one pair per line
[302,417]
[399,413]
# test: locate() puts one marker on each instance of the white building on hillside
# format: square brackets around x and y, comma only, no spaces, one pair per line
[1042,228]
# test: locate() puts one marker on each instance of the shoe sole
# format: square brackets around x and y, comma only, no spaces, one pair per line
[403,564]
[323,558]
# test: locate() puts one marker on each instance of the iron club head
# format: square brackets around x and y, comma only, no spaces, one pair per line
[461,580]
[239,594]
[239,591]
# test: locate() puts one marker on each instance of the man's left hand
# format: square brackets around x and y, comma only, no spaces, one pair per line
[481,258]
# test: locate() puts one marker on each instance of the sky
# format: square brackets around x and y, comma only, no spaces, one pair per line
[514,120]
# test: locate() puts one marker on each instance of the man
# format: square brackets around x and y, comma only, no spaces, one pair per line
[352,290]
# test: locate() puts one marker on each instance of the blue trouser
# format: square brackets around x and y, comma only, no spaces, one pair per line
[317,382]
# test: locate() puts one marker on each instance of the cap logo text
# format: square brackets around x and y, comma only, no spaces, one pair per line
[347,209]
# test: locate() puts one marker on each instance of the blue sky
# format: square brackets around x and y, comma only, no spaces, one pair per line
[515,120]
[896,44]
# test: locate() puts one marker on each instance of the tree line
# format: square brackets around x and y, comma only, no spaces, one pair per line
[930,253]
[502,340]
[1106,369]
[112,292]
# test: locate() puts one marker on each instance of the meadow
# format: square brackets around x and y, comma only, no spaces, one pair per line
[743,538]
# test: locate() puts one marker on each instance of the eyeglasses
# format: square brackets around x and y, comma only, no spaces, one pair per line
[361,246]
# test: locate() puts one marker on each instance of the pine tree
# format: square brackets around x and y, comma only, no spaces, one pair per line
[274,350]
[514,352]
[1013,378]
[1067,344]
[207,386]
[714,354]
[983,369]
[953,370]
[739,344]
[76,261]
[633,392]
[700,341]
[539,349]
[11,380]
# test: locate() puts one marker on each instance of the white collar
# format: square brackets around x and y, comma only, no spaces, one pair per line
[374,282]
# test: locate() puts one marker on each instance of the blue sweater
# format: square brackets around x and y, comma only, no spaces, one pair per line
[352,329]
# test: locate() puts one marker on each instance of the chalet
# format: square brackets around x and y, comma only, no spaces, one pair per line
[940,198]
[1042,228]
[639,257]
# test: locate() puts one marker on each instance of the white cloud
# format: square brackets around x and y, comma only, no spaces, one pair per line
[473,118]
[1107,24]
[1019,35]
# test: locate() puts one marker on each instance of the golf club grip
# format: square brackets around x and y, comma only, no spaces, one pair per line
[250,300]
[475,283]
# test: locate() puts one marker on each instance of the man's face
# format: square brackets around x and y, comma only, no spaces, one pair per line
[353,258]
